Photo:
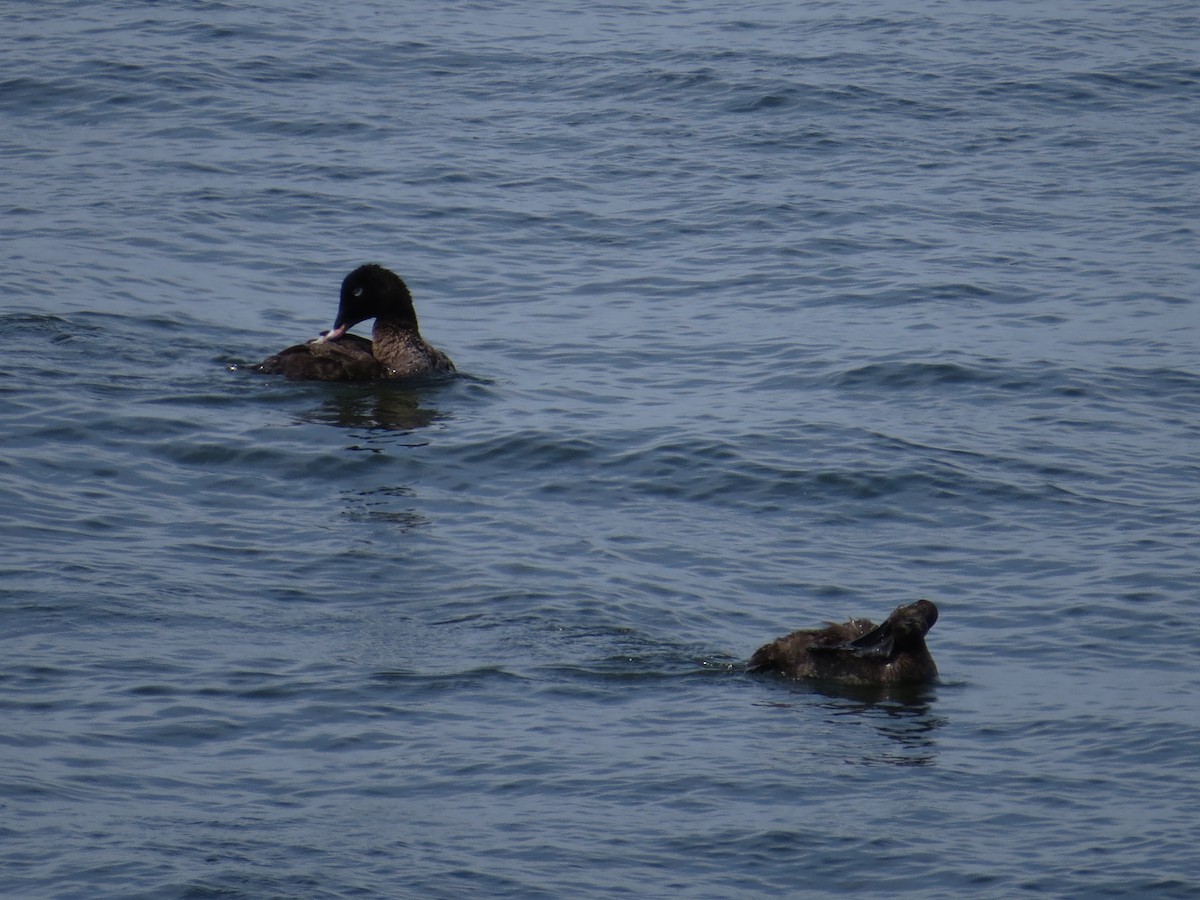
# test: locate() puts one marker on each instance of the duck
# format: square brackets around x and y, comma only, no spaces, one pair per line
[396,349]
[857,651]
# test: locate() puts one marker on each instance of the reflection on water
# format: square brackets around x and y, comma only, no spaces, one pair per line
[910,725]
[901,713]
[384,407]
[387,505]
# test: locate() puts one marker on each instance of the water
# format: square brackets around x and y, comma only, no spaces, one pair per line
[765,315]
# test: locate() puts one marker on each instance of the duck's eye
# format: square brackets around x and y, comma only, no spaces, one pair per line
[358,292]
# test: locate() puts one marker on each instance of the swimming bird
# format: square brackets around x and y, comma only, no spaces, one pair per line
[396,349]
[857,651]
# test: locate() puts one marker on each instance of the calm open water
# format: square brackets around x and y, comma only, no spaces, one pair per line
[767,313]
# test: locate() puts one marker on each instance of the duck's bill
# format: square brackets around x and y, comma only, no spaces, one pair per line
[331,335]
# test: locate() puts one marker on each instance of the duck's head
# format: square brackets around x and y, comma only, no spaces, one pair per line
[914,619]
[370,292]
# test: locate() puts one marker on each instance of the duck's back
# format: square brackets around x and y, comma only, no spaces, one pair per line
[792,654]
[349,358]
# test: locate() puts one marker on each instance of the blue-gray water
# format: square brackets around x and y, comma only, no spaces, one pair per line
[767,313]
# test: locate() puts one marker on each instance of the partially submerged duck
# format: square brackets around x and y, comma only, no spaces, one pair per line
[396,349]
[857,651]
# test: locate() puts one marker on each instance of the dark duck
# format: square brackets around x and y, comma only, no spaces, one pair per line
[857,651]
[396,348]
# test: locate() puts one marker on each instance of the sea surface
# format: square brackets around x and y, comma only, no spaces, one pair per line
[765,314]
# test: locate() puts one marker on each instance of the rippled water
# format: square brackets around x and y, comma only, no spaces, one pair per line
[765,316]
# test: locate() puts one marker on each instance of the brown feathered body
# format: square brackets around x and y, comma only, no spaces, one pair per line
[857,651]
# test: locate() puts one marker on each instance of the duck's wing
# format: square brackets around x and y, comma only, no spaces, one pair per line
[877,643]
[347,359]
